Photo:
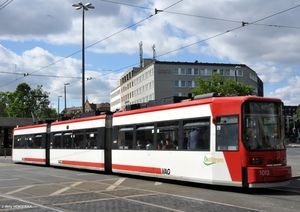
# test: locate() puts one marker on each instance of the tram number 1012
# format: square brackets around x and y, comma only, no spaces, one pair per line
[264,172]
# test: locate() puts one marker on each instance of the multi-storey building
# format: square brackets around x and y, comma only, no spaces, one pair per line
[159,79]
[289,113]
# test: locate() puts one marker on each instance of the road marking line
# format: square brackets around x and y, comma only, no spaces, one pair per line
[9,179]
[75,184]
[158,183]
[20,189]
[65,189]
[84,174]
[112,187]
[60,191]
[30,203]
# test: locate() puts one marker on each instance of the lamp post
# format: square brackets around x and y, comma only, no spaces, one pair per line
[84,7]
[58,105]
[235,76]
[65,85]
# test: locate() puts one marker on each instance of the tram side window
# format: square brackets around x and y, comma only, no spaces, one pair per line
[30,142]
[37,142]
[197,134]
[144,137]
[24,142]
[56,142]
[95,138]
[67,140]
[100,138]
[168,135]
[79,140]
[17,142]
[91,140]
[34,141]
[123,137]
[227,133]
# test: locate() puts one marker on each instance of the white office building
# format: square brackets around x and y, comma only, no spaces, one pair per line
[160,79]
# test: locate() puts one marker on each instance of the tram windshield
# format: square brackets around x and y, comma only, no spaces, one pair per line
[262,126]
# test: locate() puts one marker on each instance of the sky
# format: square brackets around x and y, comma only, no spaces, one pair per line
[44,39]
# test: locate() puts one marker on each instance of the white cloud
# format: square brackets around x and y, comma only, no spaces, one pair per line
[40,33]
[54,77]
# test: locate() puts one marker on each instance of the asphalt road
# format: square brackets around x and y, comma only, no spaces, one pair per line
[37,188]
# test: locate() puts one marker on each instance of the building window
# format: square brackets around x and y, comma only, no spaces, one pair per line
[240,73]
[253,77]
[176,71]
[205,72]
[189,71]
[190,83]
[202,72]
[232,72]
[221,72]
[182,71]
[179,83]
[176,83]
[227,72]
[179,94]
[196,71]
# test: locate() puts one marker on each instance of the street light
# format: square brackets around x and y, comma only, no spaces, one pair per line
[235,77]
[65,111]
[58,104]
[86,7]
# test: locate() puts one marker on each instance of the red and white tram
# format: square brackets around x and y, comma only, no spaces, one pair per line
[78,143]
[29,144]
[236,141]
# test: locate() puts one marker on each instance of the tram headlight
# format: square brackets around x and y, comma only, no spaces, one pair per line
[256,160]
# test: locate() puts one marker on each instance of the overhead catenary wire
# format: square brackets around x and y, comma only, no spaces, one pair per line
[88,46]
[200,16]
[4,4]
[164,10]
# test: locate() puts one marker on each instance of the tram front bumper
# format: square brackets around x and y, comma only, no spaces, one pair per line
[269,174]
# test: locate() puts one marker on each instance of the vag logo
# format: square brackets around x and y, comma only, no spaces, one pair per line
[165,171]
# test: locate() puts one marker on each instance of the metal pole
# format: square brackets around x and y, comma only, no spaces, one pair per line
[235,75]
[58,105]
[65,99]
[65,110]
[86,7]
[83,69]
[235,78]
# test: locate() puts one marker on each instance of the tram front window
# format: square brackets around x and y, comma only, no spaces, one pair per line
[262,126]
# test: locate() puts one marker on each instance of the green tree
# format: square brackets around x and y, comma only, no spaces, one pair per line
[221,84]
[20,102]
[25,102]
[47,113]
[298,113]
[3,104]
[41,103]
[297,121]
